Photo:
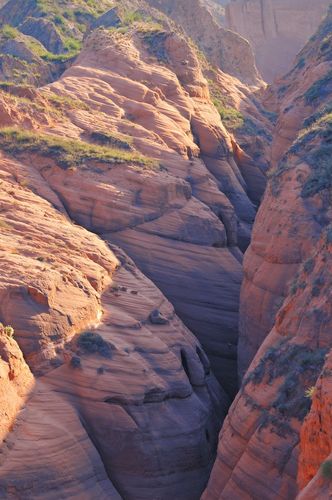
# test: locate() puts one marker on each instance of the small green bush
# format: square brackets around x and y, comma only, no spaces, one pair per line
[131,16]
[75,362]
[320,89]
[231,117]
[326,469]
[309,265]
[8,32]
[329,235]
[321,176]
[93,343]
[298,364]
[7,330]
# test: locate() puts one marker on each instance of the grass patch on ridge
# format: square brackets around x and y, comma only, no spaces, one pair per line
[66,152]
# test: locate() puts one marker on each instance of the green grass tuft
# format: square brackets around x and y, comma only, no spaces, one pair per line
[9,32]
[111,139]
[231,117]
[66,152]
[326,469]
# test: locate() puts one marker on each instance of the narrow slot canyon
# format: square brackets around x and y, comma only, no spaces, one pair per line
[165,248]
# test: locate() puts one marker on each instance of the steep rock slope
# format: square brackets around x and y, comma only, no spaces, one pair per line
[128,144]
[148,80]
[16,380]
[88,399]
[276,29]
[286,304]
[167,111]
[315,446]
[229,51]
[217,10]
[270,263]
[39,39]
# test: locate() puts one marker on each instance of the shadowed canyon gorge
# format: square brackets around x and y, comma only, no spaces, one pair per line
[165,249]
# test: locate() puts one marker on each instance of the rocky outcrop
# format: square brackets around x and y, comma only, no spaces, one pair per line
[38,40]
[143,150]
[45,32]
[285,305]
[314,475]
[86,403]
[224,48]
[269,263]
[217,10]
[171,118]
[16,381]
[126,144]
[276,29]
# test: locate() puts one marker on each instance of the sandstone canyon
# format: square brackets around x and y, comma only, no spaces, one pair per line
[165,250]
[276,29]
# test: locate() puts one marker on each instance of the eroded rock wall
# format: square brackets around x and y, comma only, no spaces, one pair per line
[172,119]
[276,29]
[135,413]
[271,443]
[86,412]
[226,49]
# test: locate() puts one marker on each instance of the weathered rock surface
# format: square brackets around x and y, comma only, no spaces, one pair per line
[217,10]
[276,29]
[138,418]
[270,263]
[16,381]
[315,444]
[134,412]
[265,449]
[224,48]
[172,119]
[83,420]
[45,32]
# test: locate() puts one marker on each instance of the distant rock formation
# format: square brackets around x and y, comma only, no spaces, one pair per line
[229,51]
[276,29]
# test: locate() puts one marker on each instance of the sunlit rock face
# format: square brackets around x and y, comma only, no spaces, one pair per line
[275,439]
[224,48]
[103,382]
[276,29]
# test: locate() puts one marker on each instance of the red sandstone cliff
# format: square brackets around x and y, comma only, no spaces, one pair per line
[128,146]
[224,48]
[265,448]
[143,143]
[276,29]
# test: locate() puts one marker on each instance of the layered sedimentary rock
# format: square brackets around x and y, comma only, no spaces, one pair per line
[115,392]
[85,403]
[229,51]
[15,383]
[314,474]
[168,113]
[276,29]
[265,449]
[270,262]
